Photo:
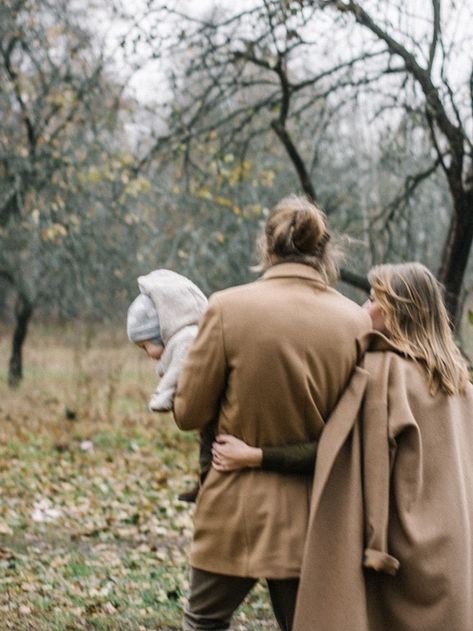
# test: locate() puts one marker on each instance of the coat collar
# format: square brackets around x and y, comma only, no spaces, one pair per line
[374,341]
[288,270]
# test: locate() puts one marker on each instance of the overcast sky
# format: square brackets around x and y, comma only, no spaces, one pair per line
[149,83]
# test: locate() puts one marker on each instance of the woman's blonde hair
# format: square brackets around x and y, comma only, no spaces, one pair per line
[296,231]
[417,321]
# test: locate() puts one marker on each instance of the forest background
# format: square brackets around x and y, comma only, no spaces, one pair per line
[146,134]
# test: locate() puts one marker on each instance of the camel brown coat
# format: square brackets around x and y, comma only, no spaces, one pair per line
[269,362]
[390,541]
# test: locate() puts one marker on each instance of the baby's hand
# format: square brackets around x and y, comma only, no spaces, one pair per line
[160,370]
[158,404]
[230,454]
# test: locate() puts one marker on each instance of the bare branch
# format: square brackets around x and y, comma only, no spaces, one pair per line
[6,275]
[411,183]
[296,159]
[435,33]
[471,88]
[454,135]
[356,280]
[13,76]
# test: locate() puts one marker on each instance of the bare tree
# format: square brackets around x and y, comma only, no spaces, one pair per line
[296,68]
[445,104]
[59,161]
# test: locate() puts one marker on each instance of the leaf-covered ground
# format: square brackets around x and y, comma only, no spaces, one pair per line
[92,535]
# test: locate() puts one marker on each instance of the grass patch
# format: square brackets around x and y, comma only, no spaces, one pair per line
[92,535]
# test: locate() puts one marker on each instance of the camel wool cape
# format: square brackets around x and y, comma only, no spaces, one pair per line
[390,539]
[270,361]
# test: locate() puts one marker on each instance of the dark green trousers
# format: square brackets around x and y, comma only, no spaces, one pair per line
[215,597]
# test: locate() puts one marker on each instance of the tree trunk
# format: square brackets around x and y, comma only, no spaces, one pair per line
[296,159]
[456,253]
[350,277]
[23,313]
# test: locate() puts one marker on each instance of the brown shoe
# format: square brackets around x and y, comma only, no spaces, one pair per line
[189,496]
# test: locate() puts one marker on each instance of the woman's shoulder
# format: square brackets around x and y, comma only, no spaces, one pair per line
[382,359]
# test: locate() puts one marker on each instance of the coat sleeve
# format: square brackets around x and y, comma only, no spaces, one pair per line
[161,400]
[377,466]
[298,458]
[203,378]
[170,368]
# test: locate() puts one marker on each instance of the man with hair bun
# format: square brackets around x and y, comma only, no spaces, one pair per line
[390,540]
[269,363]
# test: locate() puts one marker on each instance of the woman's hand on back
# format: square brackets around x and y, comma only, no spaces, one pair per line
[230,454]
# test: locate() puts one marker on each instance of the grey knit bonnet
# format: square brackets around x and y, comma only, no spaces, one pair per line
[143,321]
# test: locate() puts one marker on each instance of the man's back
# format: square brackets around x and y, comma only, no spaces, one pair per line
[270,361]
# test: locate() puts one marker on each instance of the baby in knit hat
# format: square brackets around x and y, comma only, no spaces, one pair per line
[163,321]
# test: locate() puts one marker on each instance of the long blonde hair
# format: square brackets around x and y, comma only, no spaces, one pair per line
[417,321]
[296,231]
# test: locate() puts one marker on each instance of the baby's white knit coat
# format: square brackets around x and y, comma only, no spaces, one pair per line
[179,303]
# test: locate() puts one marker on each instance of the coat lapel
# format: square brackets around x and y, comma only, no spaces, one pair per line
[336,431]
